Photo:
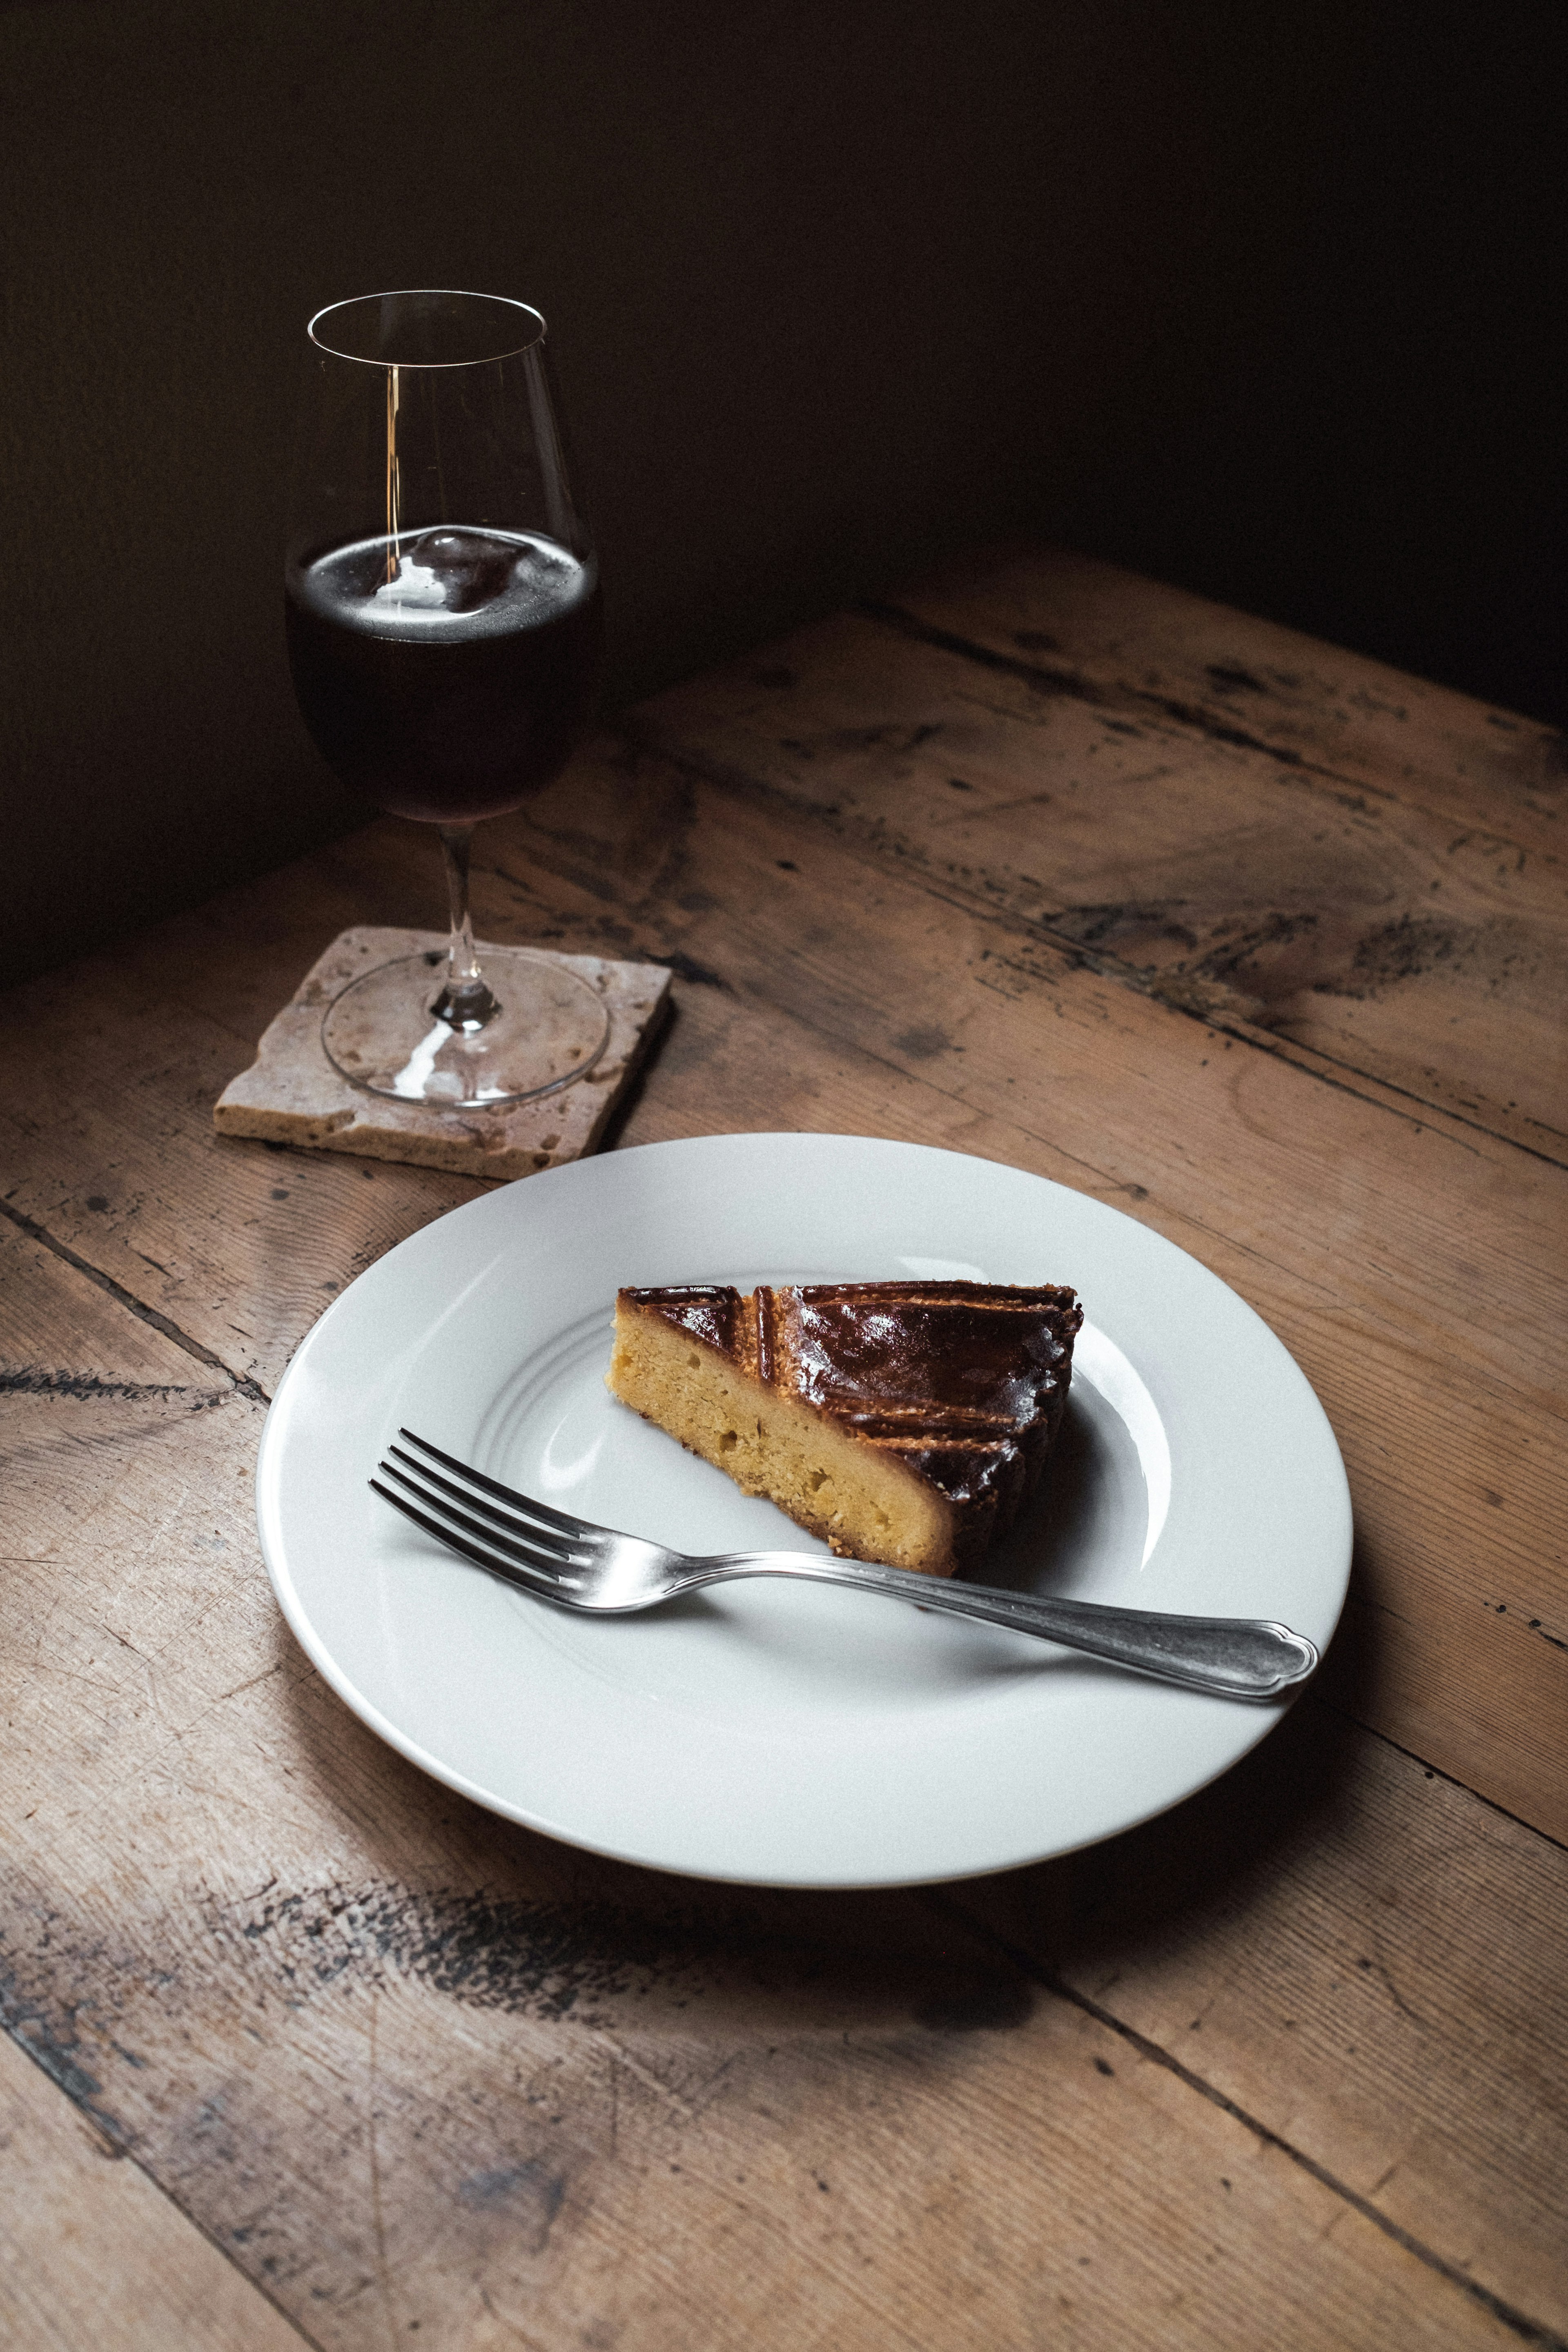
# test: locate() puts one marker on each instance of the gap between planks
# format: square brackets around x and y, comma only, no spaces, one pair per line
[1533,2331]
[159,1322]
[1435,1772]
[167,2269]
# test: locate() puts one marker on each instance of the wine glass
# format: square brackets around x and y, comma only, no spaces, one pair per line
[442,601]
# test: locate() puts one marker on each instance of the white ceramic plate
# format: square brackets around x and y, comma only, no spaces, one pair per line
[787,1734]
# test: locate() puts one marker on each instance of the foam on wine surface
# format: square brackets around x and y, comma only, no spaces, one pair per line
[448,584]
[448,679]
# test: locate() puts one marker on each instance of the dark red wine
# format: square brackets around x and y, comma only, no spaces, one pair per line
[458,686]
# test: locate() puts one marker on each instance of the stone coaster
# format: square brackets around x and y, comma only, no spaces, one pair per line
[291,1094]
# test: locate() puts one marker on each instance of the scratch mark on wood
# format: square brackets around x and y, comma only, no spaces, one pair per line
[530,2343]
[265,1675]
[621,2056]
[1395,1995]
[375,2206]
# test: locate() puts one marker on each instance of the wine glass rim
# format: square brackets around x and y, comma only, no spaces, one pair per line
[449,293]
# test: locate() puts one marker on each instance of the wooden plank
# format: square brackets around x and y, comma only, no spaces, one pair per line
[1359,931]
[1267,1937]
[1157,649]
[412,2066]
[1363,1236]
[93,2258]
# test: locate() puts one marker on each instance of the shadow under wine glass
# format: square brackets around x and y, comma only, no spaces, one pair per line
[443,612]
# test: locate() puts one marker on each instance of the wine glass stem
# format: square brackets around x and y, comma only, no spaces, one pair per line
[465,1002]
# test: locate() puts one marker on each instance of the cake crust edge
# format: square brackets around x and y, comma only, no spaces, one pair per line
[929,1513]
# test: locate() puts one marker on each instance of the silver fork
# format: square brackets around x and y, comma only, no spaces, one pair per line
[579,1566]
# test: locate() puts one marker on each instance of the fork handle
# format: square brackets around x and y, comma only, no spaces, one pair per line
[1231,1658]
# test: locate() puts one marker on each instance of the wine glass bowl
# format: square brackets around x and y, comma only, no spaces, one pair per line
[443,618]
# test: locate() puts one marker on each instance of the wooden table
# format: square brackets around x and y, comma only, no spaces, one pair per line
[1255,939]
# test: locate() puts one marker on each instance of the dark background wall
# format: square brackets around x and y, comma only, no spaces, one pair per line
[1261,299]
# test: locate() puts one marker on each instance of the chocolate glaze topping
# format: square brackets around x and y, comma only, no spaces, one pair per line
[967,1380]
[713,1315]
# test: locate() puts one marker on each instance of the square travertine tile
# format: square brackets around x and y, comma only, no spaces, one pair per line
[291,1094]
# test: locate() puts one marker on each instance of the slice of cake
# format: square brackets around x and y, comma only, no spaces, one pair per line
[902,1421]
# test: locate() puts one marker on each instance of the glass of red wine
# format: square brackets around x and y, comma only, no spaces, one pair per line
[442,598]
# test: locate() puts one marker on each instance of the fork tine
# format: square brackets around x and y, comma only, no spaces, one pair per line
[443,1515]
[540,1565]
[529,1580]
[544,1538]
[562,1521]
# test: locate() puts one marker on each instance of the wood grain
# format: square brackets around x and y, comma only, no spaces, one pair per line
[405,2063]
[1285,2068]
[1233,678]
[1320,1943]
[93,2257]
[1361,931]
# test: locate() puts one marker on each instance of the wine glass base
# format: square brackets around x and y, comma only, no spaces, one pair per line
[385,1036]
